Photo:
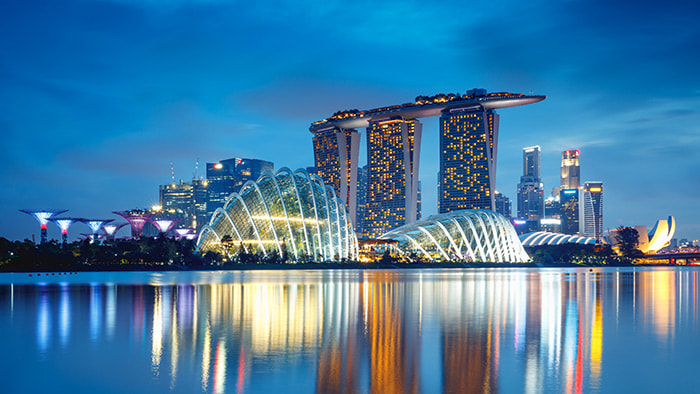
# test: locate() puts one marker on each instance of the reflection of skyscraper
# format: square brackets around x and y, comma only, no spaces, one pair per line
[336,157]
[393,149]
[570,170]
[592,217]
[468,142]
[530,188]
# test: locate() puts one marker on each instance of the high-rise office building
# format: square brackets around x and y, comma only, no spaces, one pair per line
[592,209]
[552,215]
[468,142]
[178,199]
[569,199]
[228,176]
[530,188]
[503,205]
[570,170]
[336,161]
[186,201]
[393,150]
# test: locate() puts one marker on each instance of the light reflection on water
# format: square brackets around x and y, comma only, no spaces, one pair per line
[531,330]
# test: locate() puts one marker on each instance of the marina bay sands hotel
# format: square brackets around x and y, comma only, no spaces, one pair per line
[468,145]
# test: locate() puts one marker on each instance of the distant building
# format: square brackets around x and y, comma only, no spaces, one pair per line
[228,176]
[569,199]
[592,209]
[187,201]
[361,200]
[419,202]
[551,222]
[552,207]
[392,193]
[570,170]
[503,205]
[468,142]
[530,188]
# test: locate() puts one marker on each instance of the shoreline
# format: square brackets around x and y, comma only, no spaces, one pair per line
[155,267]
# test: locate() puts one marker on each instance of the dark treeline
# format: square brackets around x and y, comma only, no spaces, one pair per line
[146,253]
[569,253]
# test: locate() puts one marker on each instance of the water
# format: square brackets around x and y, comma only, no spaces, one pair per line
[499,330]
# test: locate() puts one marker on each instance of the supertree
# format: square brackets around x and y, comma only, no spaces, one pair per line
[43,216]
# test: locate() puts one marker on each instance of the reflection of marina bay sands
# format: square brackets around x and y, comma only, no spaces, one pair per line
[468,147]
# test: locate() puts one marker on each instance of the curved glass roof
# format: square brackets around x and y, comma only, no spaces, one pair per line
[471,235]
[291,212]
[540,238]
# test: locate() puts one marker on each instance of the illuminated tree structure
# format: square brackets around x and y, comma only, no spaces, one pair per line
[137,218]
[165,225]
[64,224]
[95,225]
[186,233]
[43,217]
[111,229]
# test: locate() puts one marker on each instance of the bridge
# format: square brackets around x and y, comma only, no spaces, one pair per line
[690,258]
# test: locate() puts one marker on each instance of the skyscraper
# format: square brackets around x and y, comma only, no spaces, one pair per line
[530,188]
[569,199]
[468,142]
[336,160]
[592,218]
[503,205]
[228,176]
[570,170]
[393,151]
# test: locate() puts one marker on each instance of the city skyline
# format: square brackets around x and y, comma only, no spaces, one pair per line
[100,97]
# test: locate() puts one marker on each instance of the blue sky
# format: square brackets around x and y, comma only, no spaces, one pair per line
[98,97]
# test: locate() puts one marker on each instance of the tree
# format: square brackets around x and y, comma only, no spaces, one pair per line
[627,239]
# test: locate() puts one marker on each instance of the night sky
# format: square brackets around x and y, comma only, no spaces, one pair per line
[98,97]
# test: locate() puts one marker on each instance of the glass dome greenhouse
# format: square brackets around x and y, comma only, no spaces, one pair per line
[290,212]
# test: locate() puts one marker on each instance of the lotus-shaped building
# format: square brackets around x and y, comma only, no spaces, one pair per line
[290,212]
[470,235]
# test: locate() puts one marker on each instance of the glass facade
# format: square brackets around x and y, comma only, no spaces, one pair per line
[291,213]
[393,148]
[468,142]
[468,235]
[569,200]
[530,188]
[228,176]
[593,209]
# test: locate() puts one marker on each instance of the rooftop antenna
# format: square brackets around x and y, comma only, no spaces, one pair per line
[172,172]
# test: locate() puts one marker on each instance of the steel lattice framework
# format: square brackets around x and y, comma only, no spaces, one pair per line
[289,210]
[468,235]
[540,238]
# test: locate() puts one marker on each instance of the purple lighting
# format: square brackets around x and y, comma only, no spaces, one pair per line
[184,233]
[111,229]
[43,217]
[137,218]
[165,225]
